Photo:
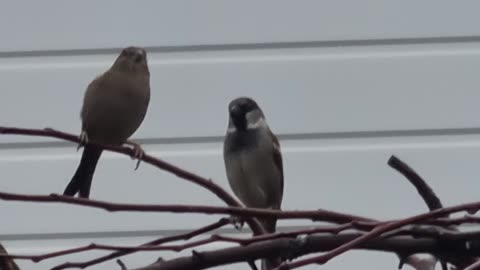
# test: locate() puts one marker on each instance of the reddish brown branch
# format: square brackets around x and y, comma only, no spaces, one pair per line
[317,215]
[451,236]
[237,210]
[183,174]
[322,259]
[291,234]
[122,265]
[455,221]
[423,189]
[184,236]
[181,247]
[94,246]
[454,247]
[433,202]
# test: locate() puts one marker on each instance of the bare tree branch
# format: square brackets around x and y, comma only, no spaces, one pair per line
[429,197]
[315,215]
[312,244]
[184,236]
[321,259]
[122,265]
[180,247]
[183,174]
[456,248]
[424,190]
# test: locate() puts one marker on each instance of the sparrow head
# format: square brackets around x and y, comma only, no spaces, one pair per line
[132,59]
[245,114]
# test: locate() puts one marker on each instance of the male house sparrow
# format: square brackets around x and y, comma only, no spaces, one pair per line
[114,106]
[253,160]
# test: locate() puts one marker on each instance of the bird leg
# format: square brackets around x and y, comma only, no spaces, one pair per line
[83,139]
[138,152]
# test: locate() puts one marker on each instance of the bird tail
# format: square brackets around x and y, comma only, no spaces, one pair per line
[82,179]
[270,224]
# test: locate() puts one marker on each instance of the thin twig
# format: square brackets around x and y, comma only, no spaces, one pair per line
[455,221]
[122,265]
[312,244]
[230,200]
[322,259]
[184,236]
[94,246]
[181,247]
[183,174]
[316,215]
[292,234]
[423,189]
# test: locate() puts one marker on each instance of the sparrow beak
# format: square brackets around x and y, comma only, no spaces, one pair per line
[139,54]
[235,112]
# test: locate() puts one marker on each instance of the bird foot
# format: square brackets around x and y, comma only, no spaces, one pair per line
[138,152]
[296,246]
[237,222]
[83,139]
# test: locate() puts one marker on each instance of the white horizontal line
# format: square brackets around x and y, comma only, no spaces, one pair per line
[255,46]
[157,59]
[310,146]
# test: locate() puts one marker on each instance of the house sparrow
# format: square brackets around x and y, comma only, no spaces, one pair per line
[253,160]
[114,106]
